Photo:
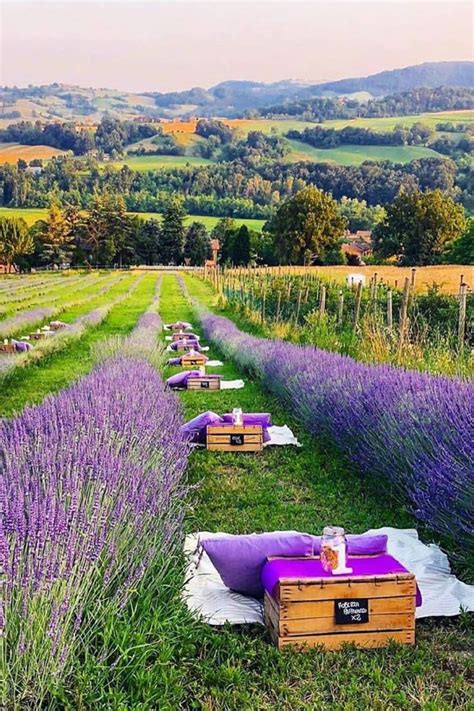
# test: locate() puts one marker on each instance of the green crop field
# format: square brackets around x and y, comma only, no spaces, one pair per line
[354,155]
[144,163]
[32,215]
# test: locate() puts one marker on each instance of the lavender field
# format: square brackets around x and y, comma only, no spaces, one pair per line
[98,488]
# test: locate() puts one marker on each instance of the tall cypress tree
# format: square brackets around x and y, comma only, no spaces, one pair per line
[172,231]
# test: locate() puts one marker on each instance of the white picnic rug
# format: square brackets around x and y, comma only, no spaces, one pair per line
[231,384]
[443,594]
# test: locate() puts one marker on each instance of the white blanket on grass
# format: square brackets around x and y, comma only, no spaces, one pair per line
[214,363]
[184,325]
[231,384]
[443,594]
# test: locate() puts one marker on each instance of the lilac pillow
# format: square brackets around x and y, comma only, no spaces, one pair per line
[174,361]
[195,429]
[21,346]
[240,559]
[254,418]
[358,545]
[180,379]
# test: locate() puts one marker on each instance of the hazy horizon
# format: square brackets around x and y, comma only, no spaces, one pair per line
[167,45]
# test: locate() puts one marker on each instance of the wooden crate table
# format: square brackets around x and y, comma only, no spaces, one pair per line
[234,438]
[177,326]
[37,336]
[189,360]
[179,336]
[182,347]
[204,382]
[7,348]
[306,607]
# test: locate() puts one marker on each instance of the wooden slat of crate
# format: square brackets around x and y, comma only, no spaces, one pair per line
[290,611]
[203,383]
[330,589]
[189,361]
[186,346]
[369,640]
[221,438]
[7,348]
[382,621]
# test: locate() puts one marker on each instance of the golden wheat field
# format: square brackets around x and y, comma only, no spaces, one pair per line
[446,276]
[12,152]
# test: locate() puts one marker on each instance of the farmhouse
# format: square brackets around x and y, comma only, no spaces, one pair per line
[358,244]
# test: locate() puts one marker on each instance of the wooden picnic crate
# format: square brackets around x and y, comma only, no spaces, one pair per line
[186,346]
[203,383]
[235,438]
[7,348]
[178,336]
[175,327]
[189,361]
[37,336]
[313,611]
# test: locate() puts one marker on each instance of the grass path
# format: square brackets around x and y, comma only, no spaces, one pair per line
[29,385]
[293,489]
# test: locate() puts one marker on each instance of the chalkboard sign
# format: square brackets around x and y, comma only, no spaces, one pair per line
[351,612]
[237,439]
[205,384]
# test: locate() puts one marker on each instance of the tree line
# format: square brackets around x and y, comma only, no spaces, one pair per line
[418,134]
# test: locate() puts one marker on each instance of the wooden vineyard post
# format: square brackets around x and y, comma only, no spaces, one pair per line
[278,307]
[322,300]
[357,304]
[263,306]
[462,317]
[298,306]
[461,282]
[403,314]
[413,277]
[389,309]
[340,308]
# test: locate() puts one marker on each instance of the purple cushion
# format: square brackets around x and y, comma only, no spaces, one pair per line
[174,361]
[180,379]
[240,559]
[21,346]
[195,429]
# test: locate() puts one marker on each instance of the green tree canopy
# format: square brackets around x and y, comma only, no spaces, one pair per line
[306,226]
[56,237]
[15,240]
[462,249]
[419,228]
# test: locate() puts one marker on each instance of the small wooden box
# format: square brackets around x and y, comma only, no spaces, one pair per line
[178,336]
[235,438]
[190,361]
[203,383]
[176,327]
[311,612]
[186,346]
[7,348]
[57,327]
[37,336]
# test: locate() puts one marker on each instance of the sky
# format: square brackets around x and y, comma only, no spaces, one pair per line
[165,45]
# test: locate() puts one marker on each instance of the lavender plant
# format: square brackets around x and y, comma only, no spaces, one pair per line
[91,495]
[413,430]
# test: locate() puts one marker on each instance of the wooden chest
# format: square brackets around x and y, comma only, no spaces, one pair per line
[176,327]
[190,361]
[367,611]
[7,348]
[203,383]
[235,438]
[37,336]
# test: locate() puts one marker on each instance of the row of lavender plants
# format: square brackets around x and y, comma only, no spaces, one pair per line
[92,497]
[413,431]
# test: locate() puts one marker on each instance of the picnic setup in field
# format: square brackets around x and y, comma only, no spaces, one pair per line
[189,460]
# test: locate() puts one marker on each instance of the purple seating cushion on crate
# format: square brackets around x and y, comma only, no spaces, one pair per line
[21,346]
[180,379]
[240,559]
[196,428]
[174,361]
[275,570]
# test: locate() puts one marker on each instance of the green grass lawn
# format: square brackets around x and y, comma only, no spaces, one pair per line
[354,155]
[165,659]
[33,215]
